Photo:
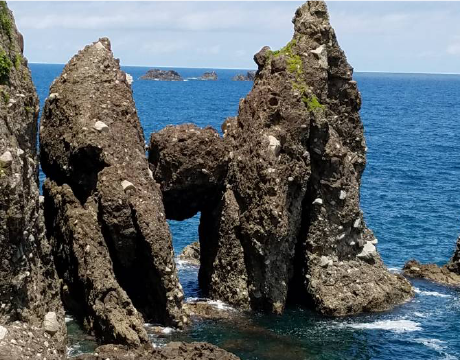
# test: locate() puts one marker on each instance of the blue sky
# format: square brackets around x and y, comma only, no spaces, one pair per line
[376,36]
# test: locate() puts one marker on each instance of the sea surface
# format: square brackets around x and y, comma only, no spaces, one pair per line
[410,196]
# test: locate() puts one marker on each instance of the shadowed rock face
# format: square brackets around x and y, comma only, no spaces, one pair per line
[28,283]
[190,165]
[289,221]
[103,212]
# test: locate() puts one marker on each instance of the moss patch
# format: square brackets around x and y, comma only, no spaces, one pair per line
[6,23]
[5,66]
[312,103]
[17,61]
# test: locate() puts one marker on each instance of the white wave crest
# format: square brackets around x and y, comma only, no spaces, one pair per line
[431,293]
[434,344]
[390,325]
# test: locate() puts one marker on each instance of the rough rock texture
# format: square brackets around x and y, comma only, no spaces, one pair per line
[209,76]
[191,253]
[29,287]
[289,221]
[432,272]
[162,75]
[103,212]
[189,164]
[172,351]
[250,76]
[26,342]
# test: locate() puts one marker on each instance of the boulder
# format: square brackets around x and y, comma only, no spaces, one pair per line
[161,75]
[190,165]
[297,147]
[191,253]
[171,351]
[103,212]
[211,75]
[29,286]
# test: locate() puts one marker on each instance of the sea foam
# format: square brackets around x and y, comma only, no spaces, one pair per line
[390,325]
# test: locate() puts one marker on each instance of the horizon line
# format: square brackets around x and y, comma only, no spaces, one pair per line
[225,68]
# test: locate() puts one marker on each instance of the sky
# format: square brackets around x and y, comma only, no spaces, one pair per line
[376,36]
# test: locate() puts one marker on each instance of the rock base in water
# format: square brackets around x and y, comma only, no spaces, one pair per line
[442,275]
[162,75]
[172,351]
[191,254]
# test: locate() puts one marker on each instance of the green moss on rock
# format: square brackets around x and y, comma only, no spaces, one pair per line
[5,66]
[6,23]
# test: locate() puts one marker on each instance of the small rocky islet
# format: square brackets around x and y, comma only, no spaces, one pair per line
[278,196]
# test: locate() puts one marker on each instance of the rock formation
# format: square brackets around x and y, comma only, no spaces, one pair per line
[209,76]
[448,274]
[172,351]
[250,76]
[104,214]
[191,253]
[288,222]
[162,75]
[29,291]
[188,163]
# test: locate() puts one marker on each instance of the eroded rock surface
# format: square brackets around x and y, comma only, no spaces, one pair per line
[211,75]
[432,272]
[190,165]
[289,222]
[29,288]
[172,351]
[250,76]
[103,212]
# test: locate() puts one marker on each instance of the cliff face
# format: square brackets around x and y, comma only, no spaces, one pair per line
[288,223]
[29,289]
[103,212]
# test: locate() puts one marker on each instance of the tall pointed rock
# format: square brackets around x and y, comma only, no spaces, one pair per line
[104,213]
[290,222]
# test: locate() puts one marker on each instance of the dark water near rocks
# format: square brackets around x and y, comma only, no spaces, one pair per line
[410,198]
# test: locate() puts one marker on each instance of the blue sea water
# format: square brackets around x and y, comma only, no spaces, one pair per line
[409,196]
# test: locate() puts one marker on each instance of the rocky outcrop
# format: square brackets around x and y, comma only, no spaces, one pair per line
[189,164]
[104,214]
[172,351]
[288,222]
[211,75]
[162,75]
[448,274]
[29,290]
[191,253]
[250,76]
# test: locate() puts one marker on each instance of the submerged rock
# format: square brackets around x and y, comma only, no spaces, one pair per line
[162,75]
[292,188]
[250,76]
[104,214]
[171,351]
[209,76]
[29,287]
[191,253]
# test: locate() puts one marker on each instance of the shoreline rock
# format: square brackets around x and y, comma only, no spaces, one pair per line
[432,272]
[29,287]
[162,75]
[103,212]
[191,254]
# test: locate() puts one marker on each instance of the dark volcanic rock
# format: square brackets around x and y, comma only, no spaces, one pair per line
[448,274]
[29,288]
[209,76]
[172,351]
[289,221]
[250,76]
[191,253]
[190,165]
[432,272]
[103,212]
[163,75]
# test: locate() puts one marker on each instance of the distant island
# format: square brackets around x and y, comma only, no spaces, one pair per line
[250,75]
[209,76]
[162,75]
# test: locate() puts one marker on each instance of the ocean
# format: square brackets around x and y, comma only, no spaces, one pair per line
[410,198]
